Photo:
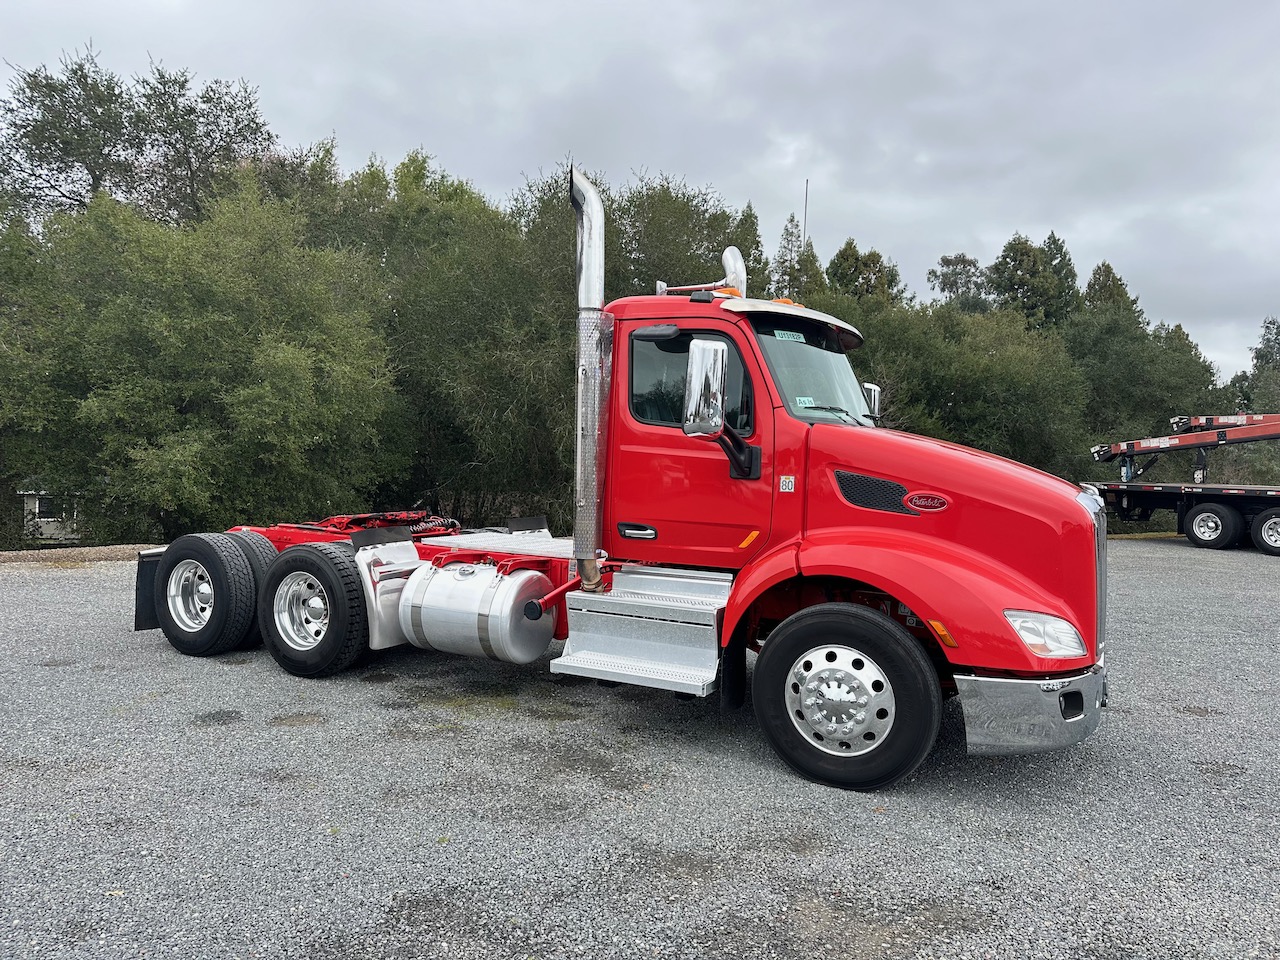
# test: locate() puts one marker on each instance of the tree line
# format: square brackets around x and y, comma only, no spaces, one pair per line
[200,327]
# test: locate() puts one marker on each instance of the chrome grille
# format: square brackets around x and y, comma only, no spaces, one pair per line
[1098,512]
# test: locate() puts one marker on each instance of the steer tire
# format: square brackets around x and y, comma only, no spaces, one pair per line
[204,590]
[259,551]
[311,610]
[1214,526]
[812,675]
[1265,531]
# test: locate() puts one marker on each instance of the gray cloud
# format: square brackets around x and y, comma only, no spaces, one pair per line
[1142,134]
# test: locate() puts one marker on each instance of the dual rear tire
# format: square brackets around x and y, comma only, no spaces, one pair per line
[220,592]
[1218,526]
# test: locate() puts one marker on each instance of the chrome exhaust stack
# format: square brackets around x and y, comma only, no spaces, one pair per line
[595,356]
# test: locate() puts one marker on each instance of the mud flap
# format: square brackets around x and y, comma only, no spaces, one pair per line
[144,591]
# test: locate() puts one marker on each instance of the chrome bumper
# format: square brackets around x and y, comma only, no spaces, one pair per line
[1031,716]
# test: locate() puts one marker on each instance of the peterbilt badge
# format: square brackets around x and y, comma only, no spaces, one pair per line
[927,502]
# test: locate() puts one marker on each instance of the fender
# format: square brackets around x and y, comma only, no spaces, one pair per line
[966,591]
[763,572]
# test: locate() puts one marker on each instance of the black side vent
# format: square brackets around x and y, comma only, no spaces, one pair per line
[873,493]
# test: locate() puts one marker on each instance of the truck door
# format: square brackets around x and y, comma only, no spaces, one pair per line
[669,497]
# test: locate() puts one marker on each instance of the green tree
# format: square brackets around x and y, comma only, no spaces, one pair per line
[214,374]
[786,280]
[981,379]
[154,140]
[66,136]
[745,235]
[869,274]
[1065,298]
[190,137]
[811,278]
[676,233]
[25,404]
[1022,279]
[1106,288]
[962,282]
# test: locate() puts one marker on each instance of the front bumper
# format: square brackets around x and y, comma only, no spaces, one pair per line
[1031,716]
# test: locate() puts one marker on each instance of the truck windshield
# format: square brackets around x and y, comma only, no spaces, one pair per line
[811,371]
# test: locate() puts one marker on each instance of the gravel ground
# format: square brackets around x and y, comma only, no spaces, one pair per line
[62,555]
[425,806]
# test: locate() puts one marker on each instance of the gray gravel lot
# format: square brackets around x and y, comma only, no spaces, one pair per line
[425,806]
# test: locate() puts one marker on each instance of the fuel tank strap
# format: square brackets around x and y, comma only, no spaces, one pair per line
[482,618]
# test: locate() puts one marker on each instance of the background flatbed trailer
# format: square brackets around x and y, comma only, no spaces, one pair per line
[1216,516]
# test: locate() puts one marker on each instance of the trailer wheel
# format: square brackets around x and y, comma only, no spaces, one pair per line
[311,610]
[1214,525]
[259,551]
[204,594]
[1266,531]
[847,697]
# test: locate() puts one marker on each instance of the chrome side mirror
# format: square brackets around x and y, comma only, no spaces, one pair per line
[704,390]
[872,391]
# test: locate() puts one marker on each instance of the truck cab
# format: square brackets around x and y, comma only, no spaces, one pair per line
[735,499]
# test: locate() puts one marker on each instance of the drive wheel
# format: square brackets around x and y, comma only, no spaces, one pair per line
[204,594]
[311,609]
[847,697]
[259,551]
[1213,525]
[1266,531]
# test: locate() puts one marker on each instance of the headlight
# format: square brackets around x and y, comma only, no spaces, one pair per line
[1046,636]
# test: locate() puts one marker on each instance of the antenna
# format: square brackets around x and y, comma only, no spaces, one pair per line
[805,229]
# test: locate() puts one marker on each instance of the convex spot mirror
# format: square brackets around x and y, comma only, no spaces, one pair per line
[704,390]
[872,391]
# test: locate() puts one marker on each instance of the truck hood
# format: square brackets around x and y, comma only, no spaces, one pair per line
[1024,520]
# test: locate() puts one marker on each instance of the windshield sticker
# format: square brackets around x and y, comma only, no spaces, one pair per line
[805,402]
[788,335]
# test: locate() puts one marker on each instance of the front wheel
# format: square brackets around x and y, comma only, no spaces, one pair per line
[311,610]
[847,697]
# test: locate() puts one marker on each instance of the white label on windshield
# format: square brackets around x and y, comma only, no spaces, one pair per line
[788,335]
[805,402]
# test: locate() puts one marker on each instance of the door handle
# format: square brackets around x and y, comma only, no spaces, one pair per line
[637,531]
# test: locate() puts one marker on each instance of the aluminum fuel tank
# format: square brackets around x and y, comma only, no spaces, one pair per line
[473,610]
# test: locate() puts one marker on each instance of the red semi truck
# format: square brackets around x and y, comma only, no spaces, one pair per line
[733,495]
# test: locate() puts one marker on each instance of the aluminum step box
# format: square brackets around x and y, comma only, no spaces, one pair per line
[657,627]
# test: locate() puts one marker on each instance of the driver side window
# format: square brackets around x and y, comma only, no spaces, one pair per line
[658,370]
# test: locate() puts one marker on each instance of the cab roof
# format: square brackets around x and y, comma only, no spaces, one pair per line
[671,306]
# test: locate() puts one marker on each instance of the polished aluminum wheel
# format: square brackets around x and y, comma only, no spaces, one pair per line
[190,596]
[301,611]
[1207,527]
[840,700]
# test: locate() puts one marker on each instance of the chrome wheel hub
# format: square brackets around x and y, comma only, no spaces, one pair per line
[1207,526]
[301,611]
[1271,532]
[840,700]
[190,596]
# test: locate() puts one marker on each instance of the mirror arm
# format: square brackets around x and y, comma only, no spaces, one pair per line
[744,460]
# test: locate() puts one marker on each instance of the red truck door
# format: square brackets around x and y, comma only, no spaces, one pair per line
[670,497]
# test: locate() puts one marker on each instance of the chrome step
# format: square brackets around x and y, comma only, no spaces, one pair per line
[642,673]
[656,628]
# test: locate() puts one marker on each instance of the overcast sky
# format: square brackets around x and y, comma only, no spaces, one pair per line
[1145,134]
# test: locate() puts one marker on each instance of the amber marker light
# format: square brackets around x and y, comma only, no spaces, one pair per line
[943,634]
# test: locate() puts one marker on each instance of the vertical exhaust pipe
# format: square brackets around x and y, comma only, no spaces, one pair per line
[595,355]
